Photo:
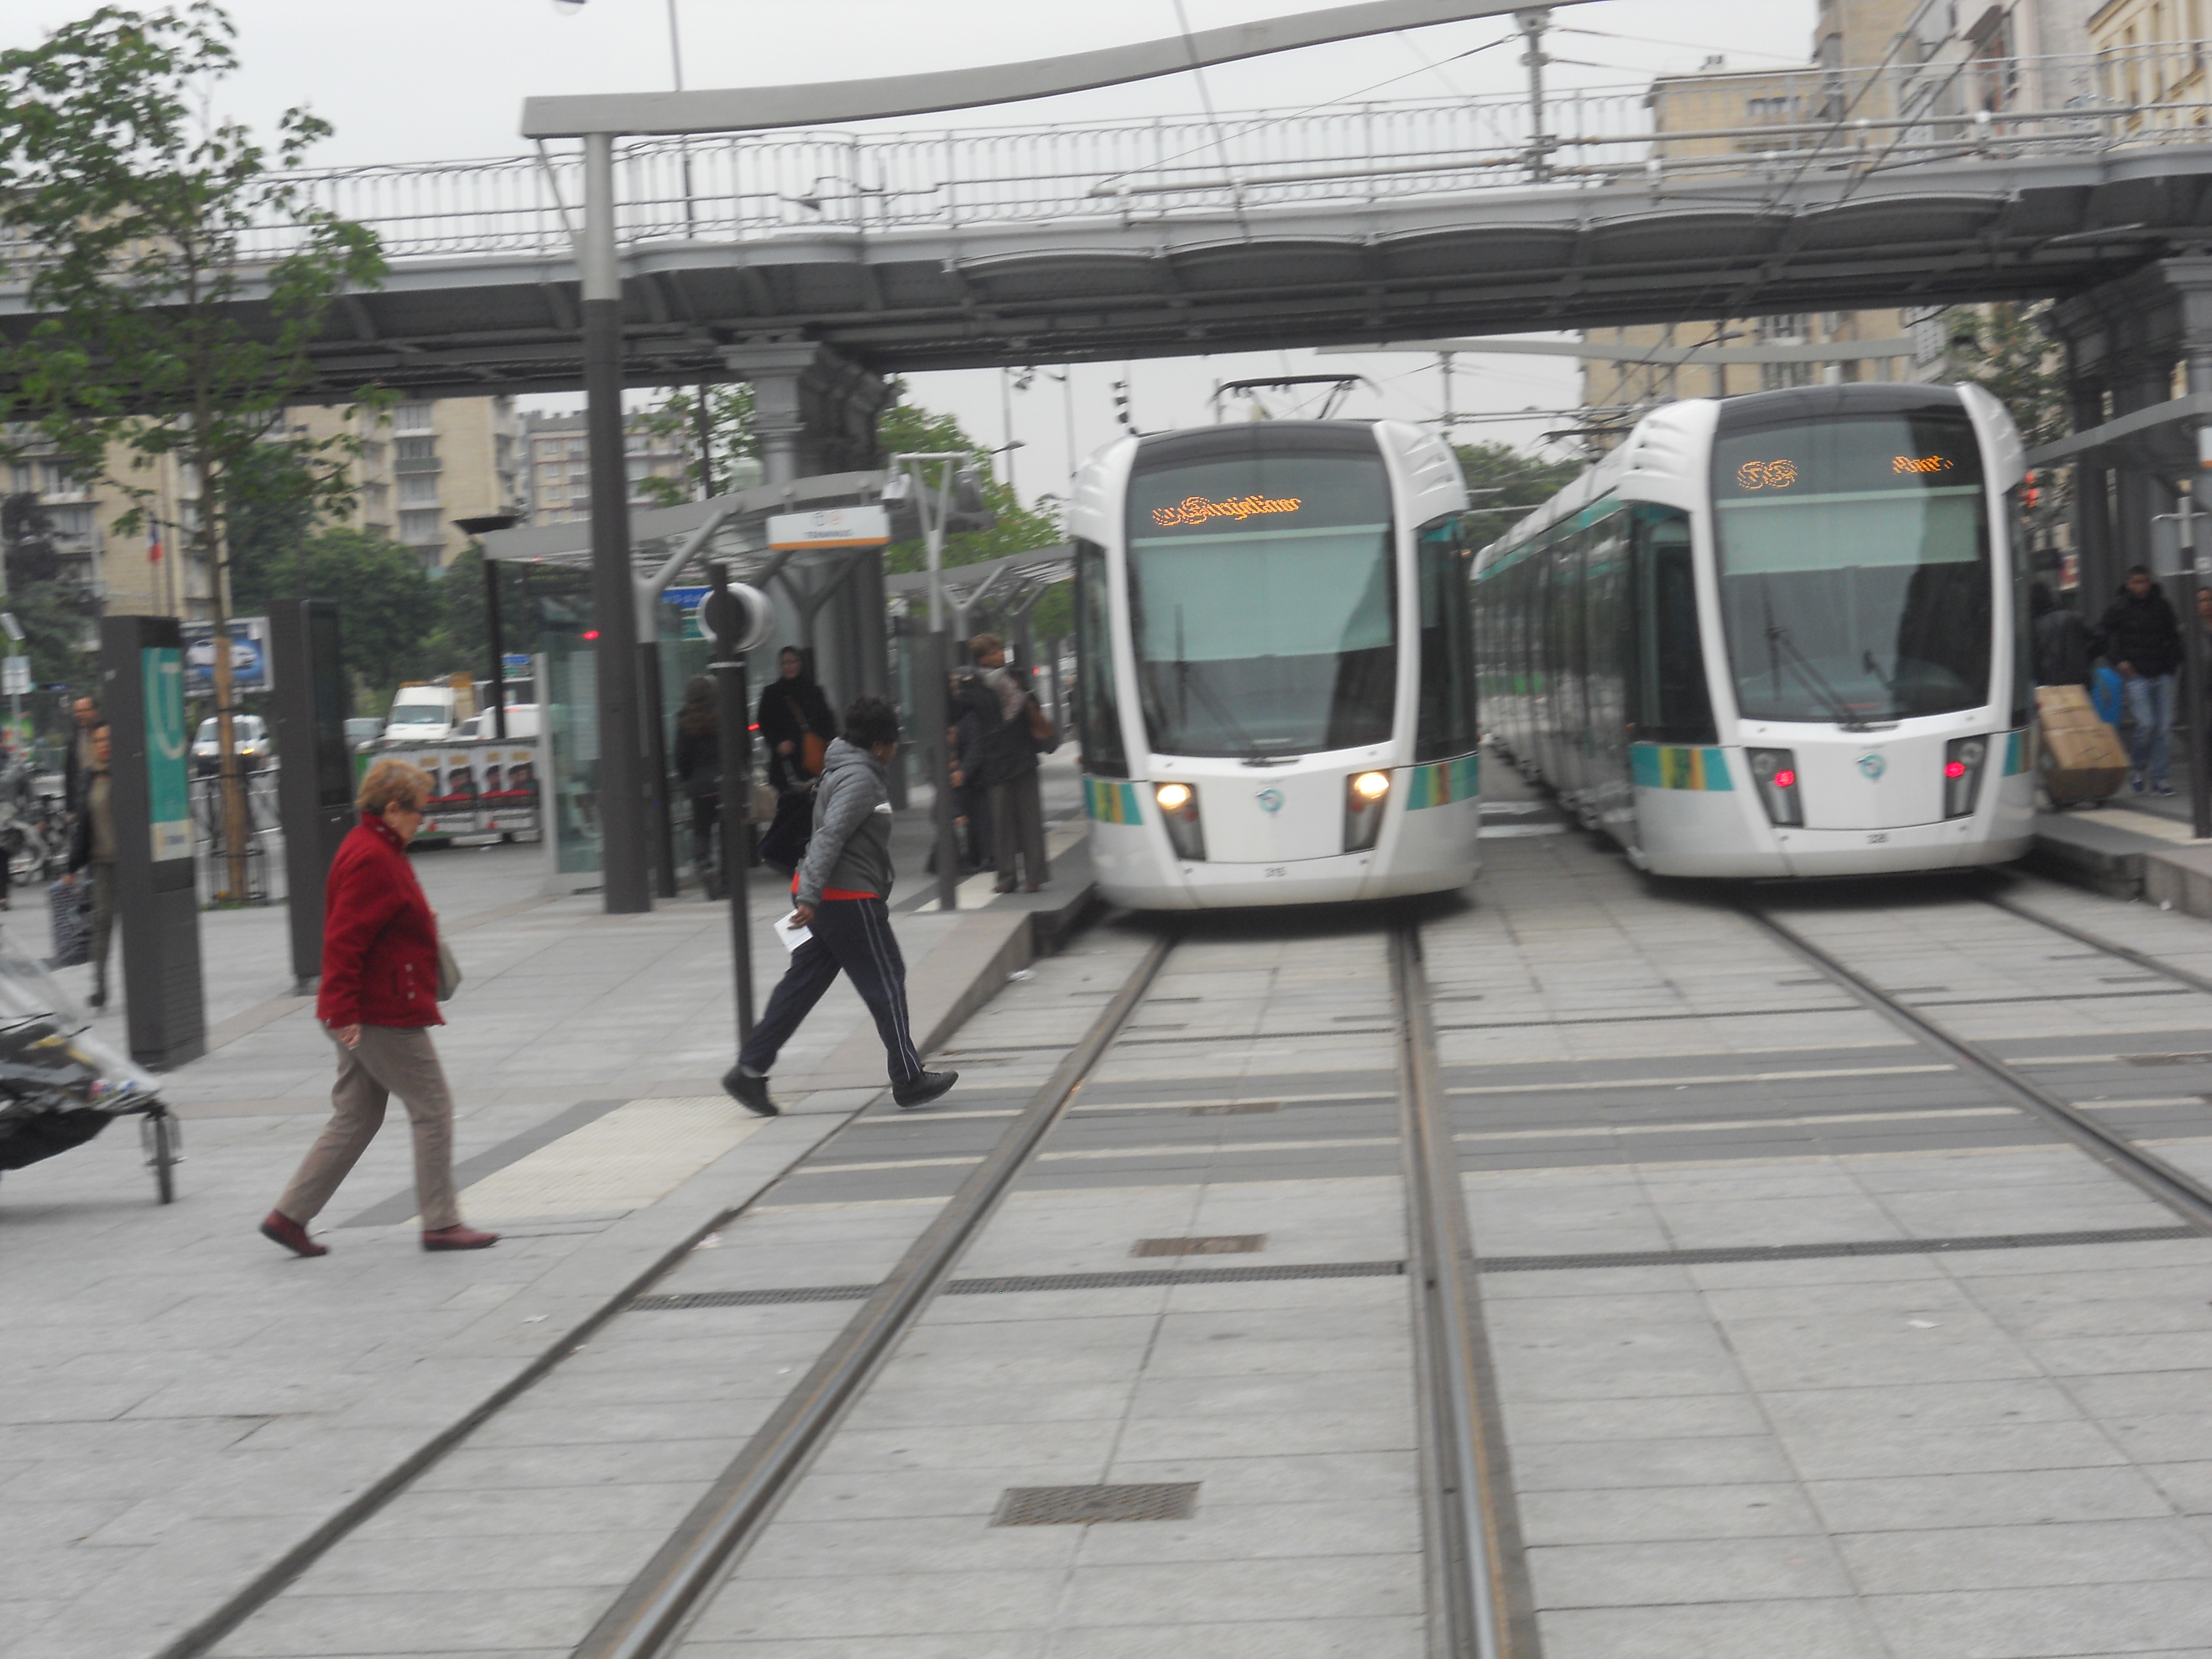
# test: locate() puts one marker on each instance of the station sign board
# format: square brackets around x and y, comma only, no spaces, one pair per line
[831,527]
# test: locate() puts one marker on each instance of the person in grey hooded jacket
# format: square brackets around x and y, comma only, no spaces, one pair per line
[841,892]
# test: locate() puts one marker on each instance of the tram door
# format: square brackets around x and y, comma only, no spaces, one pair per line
[1668,699]
[1611,797]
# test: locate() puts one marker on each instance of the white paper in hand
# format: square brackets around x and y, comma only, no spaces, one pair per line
[789,934]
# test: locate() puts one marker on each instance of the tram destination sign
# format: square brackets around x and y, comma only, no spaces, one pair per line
[1884,454]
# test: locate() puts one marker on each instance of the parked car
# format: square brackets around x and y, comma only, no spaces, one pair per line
[249,732]
[363,730]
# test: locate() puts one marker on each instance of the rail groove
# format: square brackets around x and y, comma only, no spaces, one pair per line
[658,1603]
[1481,1604]
[2174,1187]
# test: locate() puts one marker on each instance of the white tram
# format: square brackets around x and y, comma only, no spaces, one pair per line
[1784,634]
[1274,622]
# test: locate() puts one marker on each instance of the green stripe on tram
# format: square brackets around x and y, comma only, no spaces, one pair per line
[1657,766]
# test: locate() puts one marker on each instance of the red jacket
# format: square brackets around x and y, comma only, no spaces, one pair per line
[380,939]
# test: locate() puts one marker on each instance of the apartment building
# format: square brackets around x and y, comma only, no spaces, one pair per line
[150,572]
[2153,52]
[558,485]
[1874,62]
[423,465]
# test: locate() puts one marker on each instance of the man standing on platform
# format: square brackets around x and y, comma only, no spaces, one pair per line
[2142,640]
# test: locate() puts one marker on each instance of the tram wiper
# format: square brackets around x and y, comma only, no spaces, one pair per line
[1811,678]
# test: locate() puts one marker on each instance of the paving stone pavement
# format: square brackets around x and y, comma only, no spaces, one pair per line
[180,1402]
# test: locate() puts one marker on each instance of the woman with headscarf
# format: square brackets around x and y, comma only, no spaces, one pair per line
[698,762]
[795,723]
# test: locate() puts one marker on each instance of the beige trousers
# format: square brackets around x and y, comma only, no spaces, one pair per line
[391,1060]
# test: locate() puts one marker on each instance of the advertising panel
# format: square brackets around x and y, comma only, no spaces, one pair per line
[249,656]
[167,783]
[476,788]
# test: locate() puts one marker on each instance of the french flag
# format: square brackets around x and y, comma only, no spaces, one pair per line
[153,544]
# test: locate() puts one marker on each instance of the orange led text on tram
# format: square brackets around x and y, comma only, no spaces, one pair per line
[1196,509]
[1766,475]
[1920,464]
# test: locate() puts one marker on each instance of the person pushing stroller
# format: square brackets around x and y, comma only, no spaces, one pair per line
[840,892]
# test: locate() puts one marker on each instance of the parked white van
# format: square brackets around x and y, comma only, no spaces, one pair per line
[424,714]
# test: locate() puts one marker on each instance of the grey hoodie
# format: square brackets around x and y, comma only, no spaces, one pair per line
[851,846]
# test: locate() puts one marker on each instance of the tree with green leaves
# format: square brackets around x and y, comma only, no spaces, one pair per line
[729,420]
[1505,482]
[177,275]
[462,639]
[2003,349]
[389,602]
[54,606]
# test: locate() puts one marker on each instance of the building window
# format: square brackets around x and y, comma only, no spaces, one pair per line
[576,449]
[419,491]
[70,523]
[416,528]
[411,418]
[415,449]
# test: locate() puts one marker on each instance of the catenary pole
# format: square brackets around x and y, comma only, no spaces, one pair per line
[614,603]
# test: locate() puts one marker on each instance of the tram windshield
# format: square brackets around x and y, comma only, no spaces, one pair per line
[1853,567]
[1261,599]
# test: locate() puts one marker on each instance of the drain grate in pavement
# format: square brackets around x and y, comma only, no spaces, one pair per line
[1231,1108]
[1126,1279]
[1212,1244]
[1526,1264]
[1082,1506]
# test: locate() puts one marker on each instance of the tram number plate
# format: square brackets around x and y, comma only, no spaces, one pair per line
[1274,870]
[1876,839]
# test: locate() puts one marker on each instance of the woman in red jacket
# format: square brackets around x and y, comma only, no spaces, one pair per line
[378,1000]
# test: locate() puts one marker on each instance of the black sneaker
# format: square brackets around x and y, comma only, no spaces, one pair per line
[749,1092]
[920,1091]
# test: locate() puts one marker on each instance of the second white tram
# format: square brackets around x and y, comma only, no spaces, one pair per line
[1782,635]
[1275,696]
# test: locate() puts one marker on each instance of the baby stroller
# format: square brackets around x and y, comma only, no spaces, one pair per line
[60,1085]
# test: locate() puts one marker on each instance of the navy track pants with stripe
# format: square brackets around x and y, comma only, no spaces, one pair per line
[852,936]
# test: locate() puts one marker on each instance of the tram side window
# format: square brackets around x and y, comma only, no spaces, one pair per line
[1672,704]
[1097,703]
[1447,725]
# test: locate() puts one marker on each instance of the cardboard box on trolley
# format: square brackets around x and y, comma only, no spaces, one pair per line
[2080,757]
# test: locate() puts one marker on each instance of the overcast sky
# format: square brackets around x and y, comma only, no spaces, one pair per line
[426,79]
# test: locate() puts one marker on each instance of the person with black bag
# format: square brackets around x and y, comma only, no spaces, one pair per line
[976,722]
[795,723]
[698,762]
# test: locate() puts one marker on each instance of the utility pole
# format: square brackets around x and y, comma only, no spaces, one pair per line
[1532,23]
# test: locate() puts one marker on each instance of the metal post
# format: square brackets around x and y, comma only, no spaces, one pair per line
[621,783]
[653,733]
[497,637]
[732,715]
[1532,23]
[936,505]
[2193,659]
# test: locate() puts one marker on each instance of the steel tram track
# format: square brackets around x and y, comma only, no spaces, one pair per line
[1479,1604]
[2184,1194]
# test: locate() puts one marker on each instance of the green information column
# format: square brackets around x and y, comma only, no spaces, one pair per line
[157,894]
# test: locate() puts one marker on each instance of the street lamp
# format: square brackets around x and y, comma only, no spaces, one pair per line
[474,529]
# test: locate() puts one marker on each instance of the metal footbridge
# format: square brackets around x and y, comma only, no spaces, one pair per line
[910,250]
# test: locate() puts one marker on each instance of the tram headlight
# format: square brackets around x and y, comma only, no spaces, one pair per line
[1178,804]
[1963,760]
[1774,774]
[1364,793]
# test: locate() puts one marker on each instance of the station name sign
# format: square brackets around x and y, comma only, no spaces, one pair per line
[829,527]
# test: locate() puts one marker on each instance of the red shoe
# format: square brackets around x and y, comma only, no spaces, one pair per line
[458,1237]
[291,1235]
